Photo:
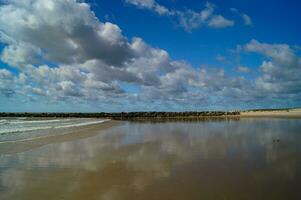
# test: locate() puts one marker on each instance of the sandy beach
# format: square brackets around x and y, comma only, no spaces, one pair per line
[229,159]
[290,113]
[81,132]
[150,100]
[11,147]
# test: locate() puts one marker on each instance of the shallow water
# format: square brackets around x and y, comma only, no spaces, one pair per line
[12,129]
[245,159]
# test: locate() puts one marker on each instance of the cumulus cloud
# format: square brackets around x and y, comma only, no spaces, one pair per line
[10,83]
[188,19]
[281,71]
[60,31]
[62,53]
[5,80]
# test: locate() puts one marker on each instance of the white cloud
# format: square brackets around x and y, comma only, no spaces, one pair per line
[246,18]
[218,21]
[281,71]
[243,69]
[92,58]
[20,53]
[187,19]
[63,53]
[151,5]
[60,31]
[9,83]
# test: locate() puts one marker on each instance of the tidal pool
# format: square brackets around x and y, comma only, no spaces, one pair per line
[232,159]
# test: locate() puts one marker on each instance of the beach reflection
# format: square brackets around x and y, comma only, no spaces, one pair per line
[246,159]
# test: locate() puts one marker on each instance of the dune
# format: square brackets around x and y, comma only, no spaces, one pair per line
[291,113]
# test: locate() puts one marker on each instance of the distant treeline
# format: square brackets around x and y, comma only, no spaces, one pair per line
[127,115]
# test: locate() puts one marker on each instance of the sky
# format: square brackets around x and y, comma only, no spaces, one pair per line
[149,55]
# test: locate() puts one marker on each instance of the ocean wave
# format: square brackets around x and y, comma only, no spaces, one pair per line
[3,120]
[39,121]
[23,129]
[11,130]
[82,124]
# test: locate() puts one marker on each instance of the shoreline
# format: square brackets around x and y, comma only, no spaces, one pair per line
[17,146]
[162,116]
[75,133]
[289,113]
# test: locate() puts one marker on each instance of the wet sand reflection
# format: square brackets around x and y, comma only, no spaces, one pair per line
[178,160]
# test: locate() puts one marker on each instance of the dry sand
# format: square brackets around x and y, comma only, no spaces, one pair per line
[290,113]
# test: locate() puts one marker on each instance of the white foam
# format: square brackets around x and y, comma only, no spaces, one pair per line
[83,124]
[3,121]
[22,128]
[38,121]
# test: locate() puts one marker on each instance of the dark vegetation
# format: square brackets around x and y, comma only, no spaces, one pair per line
[130,115]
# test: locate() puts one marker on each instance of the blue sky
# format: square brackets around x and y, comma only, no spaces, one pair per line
[136,55]
[274,21]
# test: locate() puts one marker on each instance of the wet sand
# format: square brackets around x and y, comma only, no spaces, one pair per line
[233,159]
[11,147]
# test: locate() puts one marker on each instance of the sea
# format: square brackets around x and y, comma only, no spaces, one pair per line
[12,129]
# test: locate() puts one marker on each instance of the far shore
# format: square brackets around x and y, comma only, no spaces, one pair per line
[166,116]
[6,147]
[286,113]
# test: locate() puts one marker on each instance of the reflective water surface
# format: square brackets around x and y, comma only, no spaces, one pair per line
[245,159]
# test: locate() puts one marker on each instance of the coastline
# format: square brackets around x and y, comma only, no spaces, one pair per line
[163,116]
[289,113]
[13,147]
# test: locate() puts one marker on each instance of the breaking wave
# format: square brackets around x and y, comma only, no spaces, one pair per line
[20,126]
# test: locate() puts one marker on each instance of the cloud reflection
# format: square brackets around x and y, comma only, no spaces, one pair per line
[138,160]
